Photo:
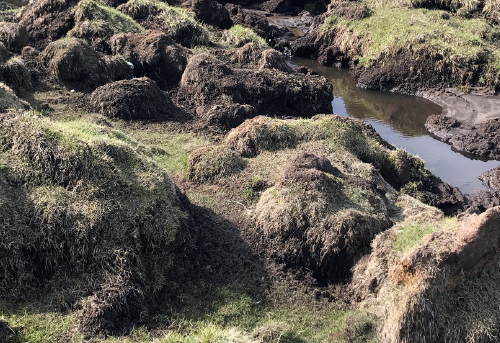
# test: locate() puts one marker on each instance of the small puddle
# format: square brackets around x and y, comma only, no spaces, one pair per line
[400,120]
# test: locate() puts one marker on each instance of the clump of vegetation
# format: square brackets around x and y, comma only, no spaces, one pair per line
[96,23]
[238,36]
[208,163]
[178,23]
[72,61]
[97,14]
[15,73]
[318,218]
[86,213]
[9,101]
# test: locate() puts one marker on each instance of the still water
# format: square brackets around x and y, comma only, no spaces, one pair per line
[400,120]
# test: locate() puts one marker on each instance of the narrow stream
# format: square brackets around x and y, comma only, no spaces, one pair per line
[400,119]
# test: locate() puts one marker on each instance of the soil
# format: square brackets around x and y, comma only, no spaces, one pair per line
[208,81]
[481,140]
[153,54]
[132,99]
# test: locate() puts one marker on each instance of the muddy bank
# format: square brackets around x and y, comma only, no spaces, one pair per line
[468,122]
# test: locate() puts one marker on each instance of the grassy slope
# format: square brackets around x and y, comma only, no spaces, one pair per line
[391,29]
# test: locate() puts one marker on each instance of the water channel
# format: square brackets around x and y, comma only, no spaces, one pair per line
[400,119]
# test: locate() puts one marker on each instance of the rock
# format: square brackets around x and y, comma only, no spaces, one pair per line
[13,36]
[154,55]
[207,81]
[132,99]
[72,61]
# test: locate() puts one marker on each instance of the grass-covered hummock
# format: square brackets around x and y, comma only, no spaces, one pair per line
[85,211]
[456,51]
[176,22]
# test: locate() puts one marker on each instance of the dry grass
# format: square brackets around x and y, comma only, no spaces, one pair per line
[209,163]
[97,217]
[178,23]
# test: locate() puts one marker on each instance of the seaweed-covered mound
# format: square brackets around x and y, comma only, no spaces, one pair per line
[208,81]
[85,218]
[132,99]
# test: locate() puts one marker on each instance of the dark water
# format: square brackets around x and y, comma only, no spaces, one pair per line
[400,119]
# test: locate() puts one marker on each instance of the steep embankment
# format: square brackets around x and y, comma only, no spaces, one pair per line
[409,47]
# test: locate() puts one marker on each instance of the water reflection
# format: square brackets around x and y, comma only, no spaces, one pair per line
[400,119]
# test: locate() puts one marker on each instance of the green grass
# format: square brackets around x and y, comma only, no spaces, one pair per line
[170,150]
[41,327]
[98,14]
[412,235]
[239,36]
